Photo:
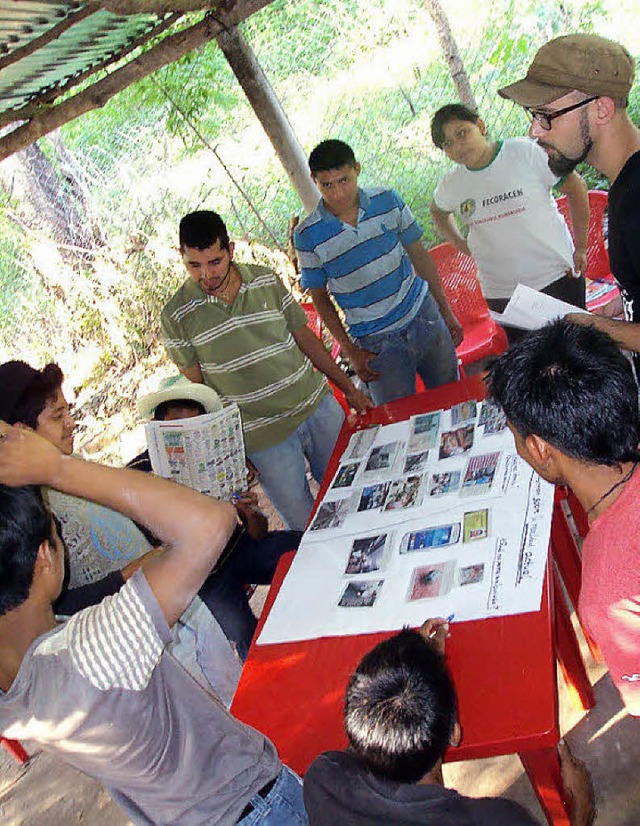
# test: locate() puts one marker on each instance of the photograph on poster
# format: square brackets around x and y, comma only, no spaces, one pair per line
[360,443]
[345,475]
[433,537]
[331,514]
[463,412]
[443,483]
[424,431]
[430,581]
[415,462]
[367,555]
[471,574]
[362,594]
[479,474]
[456,442]
[475,525]
[404,493]
[381,457]
[373,496]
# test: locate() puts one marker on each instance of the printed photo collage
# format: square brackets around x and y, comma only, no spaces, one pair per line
[391,478]
[368,558]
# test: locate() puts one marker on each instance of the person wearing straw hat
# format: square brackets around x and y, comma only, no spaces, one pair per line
[253,552]
[577,92]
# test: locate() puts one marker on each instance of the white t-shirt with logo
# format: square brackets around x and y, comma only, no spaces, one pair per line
[516,233]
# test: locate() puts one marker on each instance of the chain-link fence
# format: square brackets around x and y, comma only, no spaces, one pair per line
[371,72]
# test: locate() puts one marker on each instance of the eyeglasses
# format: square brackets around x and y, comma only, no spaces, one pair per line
[545,118]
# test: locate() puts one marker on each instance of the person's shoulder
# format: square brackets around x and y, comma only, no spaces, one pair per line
[496,811]
[522,147]
[180,297]
[117,643]
[308,223]
[255,276]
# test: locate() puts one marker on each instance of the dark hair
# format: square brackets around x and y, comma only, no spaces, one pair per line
[331,154]
[452,111]
[401,708]
[570,385]
[25,523]
[41,388]
[202,229]
[160,413]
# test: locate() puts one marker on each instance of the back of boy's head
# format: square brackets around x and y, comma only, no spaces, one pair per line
[201,229]
[331,154]
[400,709]
[25,523]
[452,111]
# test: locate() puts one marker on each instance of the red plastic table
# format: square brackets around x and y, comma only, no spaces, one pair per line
[504,669]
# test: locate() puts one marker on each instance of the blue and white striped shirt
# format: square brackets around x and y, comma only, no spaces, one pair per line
[366,267]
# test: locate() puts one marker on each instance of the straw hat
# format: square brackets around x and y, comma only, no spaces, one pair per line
[179,387]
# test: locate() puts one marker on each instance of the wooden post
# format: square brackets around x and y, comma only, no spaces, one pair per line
[270,113]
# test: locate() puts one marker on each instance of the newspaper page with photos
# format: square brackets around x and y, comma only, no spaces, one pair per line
[204,452]
[433,516]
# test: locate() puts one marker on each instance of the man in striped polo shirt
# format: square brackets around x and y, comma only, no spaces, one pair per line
[364,247]
[237,329]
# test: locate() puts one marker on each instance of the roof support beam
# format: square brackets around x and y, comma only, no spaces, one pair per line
[270,113]
[172,48]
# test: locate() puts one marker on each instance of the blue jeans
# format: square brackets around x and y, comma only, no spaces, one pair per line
[283,806]
[282,467]
[424,346]
[225,594]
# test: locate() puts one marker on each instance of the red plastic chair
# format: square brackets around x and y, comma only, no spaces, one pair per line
[598,267]
[459,275]
[15,749]
[314,322]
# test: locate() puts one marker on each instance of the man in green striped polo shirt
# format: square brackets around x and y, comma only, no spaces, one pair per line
[237,329]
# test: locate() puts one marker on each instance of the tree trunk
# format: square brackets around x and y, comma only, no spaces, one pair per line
[270,113]
[451,53]
[49,204]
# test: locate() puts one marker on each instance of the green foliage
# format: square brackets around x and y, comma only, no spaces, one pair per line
[368,71]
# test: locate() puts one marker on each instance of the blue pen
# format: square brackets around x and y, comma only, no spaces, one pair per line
[446,622]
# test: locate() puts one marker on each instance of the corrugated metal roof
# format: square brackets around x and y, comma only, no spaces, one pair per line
[93,36]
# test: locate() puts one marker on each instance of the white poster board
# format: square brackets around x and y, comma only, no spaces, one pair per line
[432,516]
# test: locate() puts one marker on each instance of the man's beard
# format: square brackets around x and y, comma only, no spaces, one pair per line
[560,164]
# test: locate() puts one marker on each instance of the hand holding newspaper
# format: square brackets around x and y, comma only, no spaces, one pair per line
[529,309]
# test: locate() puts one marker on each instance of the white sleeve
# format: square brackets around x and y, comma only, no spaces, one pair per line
[539,161]
[444,196]
[116,644]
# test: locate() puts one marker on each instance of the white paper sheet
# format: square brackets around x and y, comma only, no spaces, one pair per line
[529,309]
[358,549]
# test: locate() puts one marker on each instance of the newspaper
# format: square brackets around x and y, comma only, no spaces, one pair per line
[529,309]
[204,452]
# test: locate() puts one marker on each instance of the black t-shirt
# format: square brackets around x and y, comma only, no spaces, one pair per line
[338,789]
[624,239]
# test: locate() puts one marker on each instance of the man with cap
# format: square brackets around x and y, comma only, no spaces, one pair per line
[576,91]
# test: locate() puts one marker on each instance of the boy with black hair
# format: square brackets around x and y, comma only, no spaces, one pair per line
[502,191]
[572,405]
[400,717]
[100,691]
[364,248]
[237,329]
